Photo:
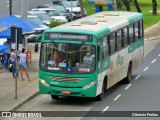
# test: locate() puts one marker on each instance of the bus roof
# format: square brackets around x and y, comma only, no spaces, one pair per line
[107,21]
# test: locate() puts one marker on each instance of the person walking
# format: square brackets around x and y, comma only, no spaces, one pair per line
[13,61]
[23,64]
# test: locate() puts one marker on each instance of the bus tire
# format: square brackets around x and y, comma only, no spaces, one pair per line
[129,75]
[54,97]
[104,88]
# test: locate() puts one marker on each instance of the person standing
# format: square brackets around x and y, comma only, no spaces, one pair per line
[6,53]
[23,64]
[13,61]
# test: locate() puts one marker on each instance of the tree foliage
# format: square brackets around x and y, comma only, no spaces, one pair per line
[54,24]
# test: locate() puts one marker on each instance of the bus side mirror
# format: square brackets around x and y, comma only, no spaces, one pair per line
[102,49]
[39,37]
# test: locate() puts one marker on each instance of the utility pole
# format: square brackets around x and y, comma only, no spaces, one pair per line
[24,8]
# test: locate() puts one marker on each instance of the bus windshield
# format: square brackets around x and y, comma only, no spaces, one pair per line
[67,57]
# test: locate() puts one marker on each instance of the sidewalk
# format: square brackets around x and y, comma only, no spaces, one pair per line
[25,89]
[28,89]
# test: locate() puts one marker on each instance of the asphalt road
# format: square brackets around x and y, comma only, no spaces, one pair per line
[142,94]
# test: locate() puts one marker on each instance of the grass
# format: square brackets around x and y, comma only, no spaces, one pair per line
[145,5]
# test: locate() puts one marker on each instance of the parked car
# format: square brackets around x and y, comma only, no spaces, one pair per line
[46,19]
[73,6]
[38,31]
[60,8]
[55,14]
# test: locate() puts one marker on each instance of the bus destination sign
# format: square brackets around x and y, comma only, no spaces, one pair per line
[68,36]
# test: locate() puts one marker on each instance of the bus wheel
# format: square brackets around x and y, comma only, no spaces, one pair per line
[101,96]
[54,97]
[129,74]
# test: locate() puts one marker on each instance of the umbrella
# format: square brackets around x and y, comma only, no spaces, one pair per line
[12,21]
[6,33]
[2,48]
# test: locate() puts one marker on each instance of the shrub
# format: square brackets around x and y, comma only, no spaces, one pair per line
[54,24]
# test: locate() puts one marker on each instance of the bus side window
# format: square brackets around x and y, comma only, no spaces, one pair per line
[106,46]
[119,40]
[131,33]
[125,38]
[141,27]
[137,31]
[99,55]
[112,43]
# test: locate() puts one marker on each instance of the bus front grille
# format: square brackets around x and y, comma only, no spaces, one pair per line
[62,79]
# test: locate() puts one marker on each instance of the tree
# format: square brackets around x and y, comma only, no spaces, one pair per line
[154,4]
[137,6]
[82,9]
[126,3]
[10,6]
[119,4]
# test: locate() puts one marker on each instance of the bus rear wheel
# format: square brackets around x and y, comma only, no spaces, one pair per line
[129,75]
[54,97]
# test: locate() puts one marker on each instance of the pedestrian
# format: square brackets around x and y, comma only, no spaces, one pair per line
[6,53]
[23,64]
[13,61]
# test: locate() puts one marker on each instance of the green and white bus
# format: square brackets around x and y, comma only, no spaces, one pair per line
[115,41]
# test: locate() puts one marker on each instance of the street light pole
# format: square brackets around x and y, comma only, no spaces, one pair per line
[24,8]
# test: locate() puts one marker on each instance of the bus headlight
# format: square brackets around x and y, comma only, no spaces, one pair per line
[89,85]
[44,83]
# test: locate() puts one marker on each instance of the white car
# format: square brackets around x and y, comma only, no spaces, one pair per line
[38,21]
[73,6]
[46,19]
[37,31]
[55,14]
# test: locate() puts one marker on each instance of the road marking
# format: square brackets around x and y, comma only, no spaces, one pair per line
[128,86]
[153,61]
[116,98]
[137,77]
[159,55]
[146,69]
[105,109]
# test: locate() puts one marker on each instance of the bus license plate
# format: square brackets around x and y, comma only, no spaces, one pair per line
[65,92]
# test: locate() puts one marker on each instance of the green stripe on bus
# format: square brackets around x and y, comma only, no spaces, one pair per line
[135,45]
[135,18]
[104,65]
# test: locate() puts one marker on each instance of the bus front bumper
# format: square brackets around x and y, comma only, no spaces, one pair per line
[87,91]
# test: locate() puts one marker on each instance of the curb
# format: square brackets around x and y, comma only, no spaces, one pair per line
[152,27]
[152,38]
[24,101]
